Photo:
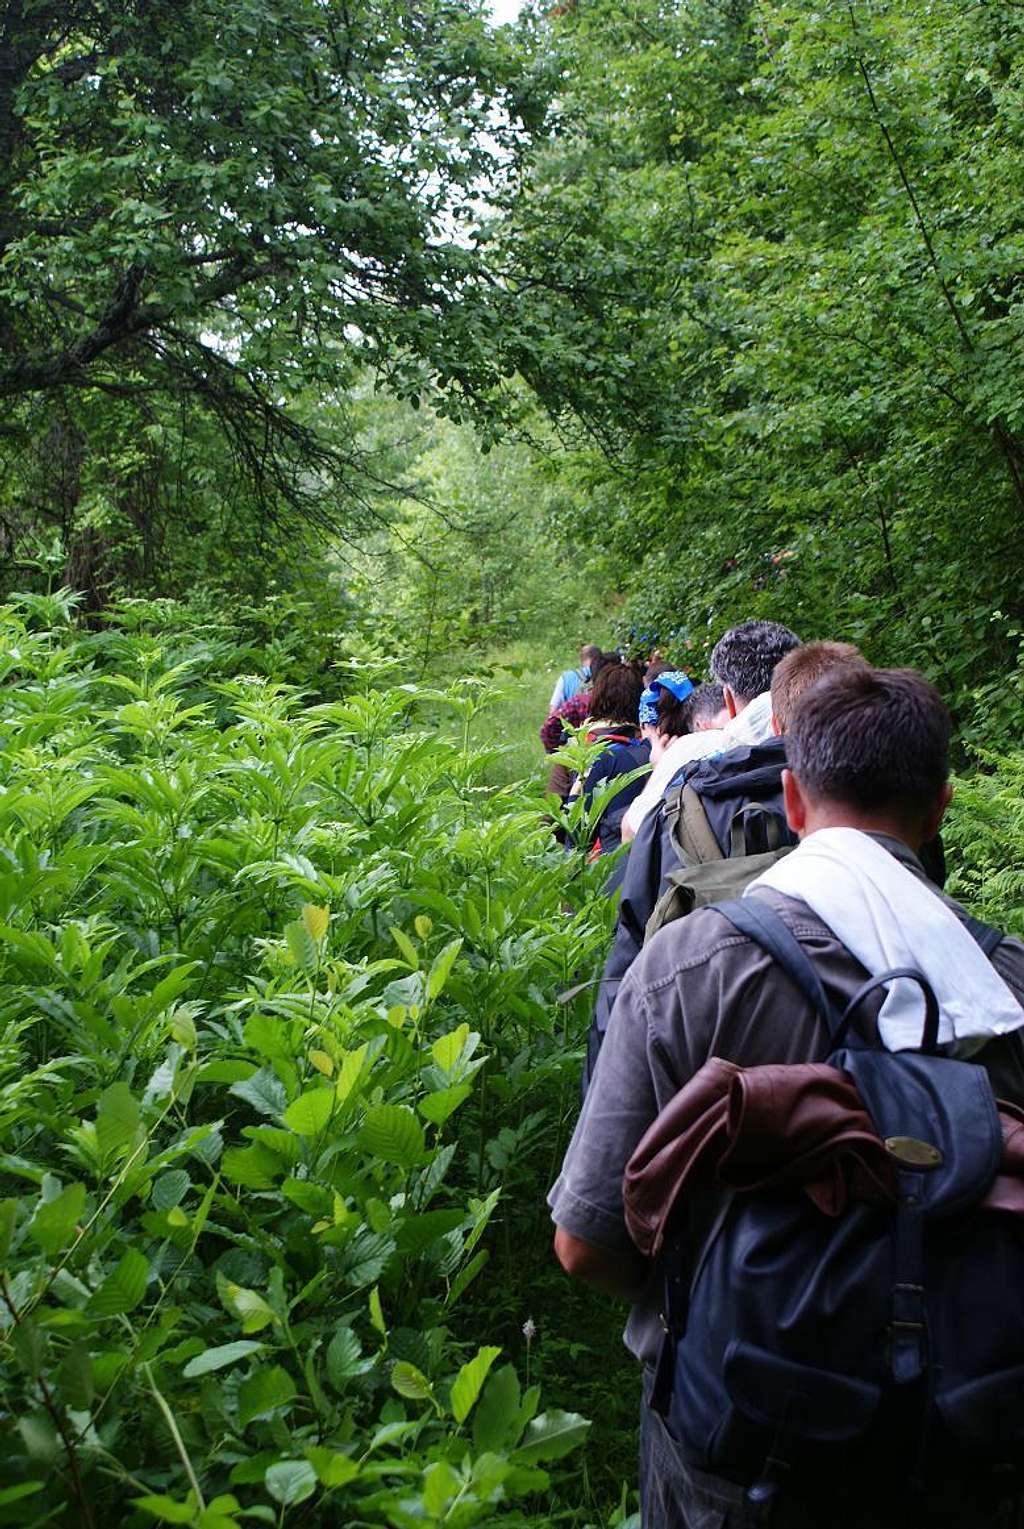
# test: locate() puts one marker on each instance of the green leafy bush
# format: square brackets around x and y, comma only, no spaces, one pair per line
[274,979]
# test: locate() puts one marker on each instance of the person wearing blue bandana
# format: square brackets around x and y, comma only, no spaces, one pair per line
[684,732]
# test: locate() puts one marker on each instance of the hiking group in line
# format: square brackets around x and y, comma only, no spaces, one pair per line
[800,1153]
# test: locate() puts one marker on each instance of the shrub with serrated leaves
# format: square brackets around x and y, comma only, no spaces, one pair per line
[273,980]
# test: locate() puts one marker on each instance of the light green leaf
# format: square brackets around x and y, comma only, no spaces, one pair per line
[302,945]
[316,920]
[166,1508]
[392,1133]
[247,1305]
[410,1382]
[309,1113]
[54,1222]
[441,969]
[8,1216]
[447,1049]
[438,1106]
[467,1384]
[406,946]
[290,1481]
[332,1469]
[217,1358]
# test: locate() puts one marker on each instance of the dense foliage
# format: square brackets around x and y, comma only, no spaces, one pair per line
[775,252]
[278,1019]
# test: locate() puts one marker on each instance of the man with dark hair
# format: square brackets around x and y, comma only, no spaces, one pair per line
[867,787]
[743,662]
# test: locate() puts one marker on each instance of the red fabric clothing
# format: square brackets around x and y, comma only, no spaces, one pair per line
[575,711]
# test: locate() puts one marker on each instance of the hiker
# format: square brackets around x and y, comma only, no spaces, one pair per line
[572,713]
[614,704]
[571,681]
[690,727]
[867,786]
[747,768]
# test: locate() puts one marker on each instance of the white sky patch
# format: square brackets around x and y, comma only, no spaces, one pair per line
[505,10]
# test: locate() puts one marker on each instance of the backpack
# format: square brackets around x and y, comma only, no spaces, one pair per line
[878,1351]
[758,837]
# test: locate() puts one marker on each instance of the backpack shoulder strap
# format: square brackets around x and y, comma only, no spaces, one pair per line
[986,936]
[689,829]
[764,926]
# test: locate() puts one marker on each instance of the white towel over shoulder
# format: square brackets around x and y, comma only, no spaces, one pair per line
[887,917]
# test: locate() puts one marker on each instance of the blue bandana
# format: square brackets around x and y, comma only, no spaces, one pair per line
[676,681]
[649,707]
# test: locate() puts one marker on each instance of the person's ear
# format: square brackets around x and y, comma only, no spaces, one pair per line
[933,822]
[730,702]
[776,726]
[794,802]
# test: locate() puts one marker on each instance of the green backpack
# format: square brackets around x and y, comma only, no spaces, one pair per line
[704,874]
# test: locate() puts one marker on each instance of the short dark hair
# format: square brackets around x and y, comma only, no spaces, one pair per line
[804,667]
[615,694]
[706,702]
[745,658]
[871,738]
[590,650]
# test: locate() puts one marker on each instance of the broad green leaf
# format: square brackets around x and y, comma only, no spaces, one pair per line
[440,1485]
[28,1344]
[54,1222]
[268,1388]
[441,968]
[217,1358]
[443,1102]
[117,1120]
[170,1189]
[447,1049]
[467,1384]
[264,1091]
[332,1469]
[302,945]
[495,1421]
[290,1481]
[309,1113]
[345,1358]
[348,1072]
[392,1133]
[410,1382]
[248,1306]
[122,1289]
[316,920]
[551,1436]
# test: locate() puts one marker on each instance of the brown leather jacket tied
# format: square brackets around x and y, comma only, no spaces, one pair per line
[794,1126]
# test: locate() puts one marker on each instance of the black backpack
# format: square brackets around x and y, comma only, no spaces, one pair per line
[867,1356]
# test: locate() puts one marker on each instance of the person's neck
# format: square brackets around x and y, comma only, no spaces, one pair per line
[827,815]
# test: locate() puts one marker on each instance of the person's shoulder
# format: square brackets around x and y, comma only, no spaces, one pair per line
[706,937]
